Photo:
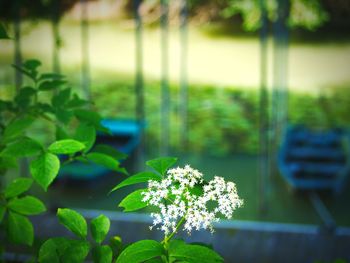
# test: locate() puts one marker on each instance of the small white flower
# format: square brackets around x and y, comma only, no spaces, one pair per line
[174,198]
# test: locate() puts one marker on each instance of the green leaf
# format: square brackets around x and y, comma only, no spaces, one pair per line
[99,228]
[111,151]
[8,162]
[51,84]
[116,244]
[63,115]
[76,102]
[5,105]
[20,229]
[158,260]
[61,133]
[31,64]
[29,74]
[162,164]
[24,97]
[48,252]
[45,169]
[73,221]
[23,147]
[133,201]
[138,178]
[65,250]
[3,33]
[141,251]
[18,186]
[17,127]
[179,250]
[88,116]
[45,108]
[86,134]
[67,146]
[102,254]
[2,212]
[61,98]
[56,76]
[106,161]
[27,205]
[75,252]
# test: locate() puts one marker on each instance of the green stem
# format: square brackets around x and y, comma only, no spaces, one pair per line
[36,96]
[45,117]
[179,224]
[69,160]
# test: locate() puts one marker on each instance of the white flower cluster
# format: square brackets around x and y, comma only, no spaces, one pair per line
[181,195]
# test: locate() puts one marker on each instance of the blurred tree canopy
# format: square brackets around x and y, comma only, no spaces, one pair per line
[308,14]
[35,9]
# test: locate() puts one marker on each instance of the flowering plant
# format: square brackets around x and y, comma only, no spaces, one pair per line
[181,199]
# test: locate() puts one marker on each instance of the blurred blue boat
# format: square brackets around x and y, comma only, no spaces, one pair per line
[125,136]
[313,160]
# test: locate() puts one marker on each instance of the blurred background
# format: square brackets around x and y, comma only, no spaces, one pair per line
[255,91]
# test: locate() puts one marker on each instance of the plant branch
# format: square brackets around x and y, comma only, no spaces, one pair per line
[179,224]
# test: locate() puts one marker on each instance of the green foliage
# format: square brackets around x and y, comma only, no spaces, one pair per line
[23,111]
[108,150]
[116,244]
[20,229]
[304,14]
[3,33]
[102,254]
[141,177]
[61,249]
[221,120]
[75,251]
[46,101]
[16,128]
[141,251]
[86,134]
[48,252]
[44,169]
[2,212]
[49,85]
[17,187]
[23,147]
[61,98]
[73,221]
[307,14]
[179,250]
[67,146]
[90,117]
[106,161]
[169,250]
[161,165]
[133,201]
[99,228]
[27,205]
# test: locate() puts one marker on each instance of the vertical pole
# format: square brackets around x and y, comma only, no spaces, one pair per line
[284,78]
[17,42]
[85,50]
[23,167]
[264,167]
[56,65]
[183,75]
[280,73]
[139,83]
[165,93]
